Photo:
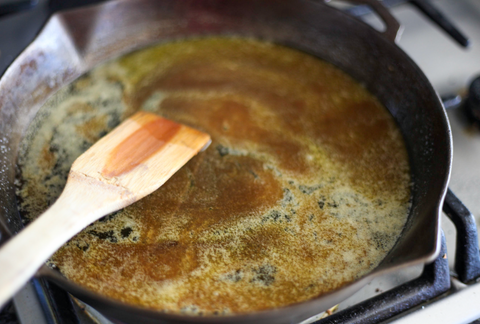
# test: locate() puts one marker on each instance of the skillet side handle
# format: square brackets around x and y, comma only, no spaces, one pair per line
[393,29]
[467,256]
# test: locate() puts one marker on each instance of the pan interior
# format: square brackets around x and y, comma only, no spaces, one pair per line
[304,189]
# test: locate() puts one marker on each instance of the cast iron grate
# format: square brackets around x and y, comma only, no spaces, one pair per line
[433,282]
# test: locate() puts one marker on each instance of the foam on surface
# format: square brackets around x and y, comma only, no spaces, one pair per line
[304,188]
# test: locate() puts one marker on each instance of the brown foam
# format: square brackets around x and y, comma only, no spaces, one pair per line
[304,188]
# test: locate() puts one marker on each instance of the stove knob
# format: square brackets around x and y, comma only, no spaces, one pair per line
[472,104]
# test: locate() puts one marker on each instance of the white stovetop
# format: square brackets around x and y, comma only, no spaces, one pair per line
[448,66]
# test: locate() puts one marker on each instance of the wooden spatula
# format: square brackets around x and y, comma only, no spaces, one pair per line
[129,163]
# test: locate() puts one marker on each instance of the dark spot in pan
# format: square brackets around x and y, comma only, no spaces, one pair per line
[333,204]
[108,235]
[235,276]
[276,217]
[264,274]
[83,247]
[309,190]
[125,232]
[113,120]
[222,150]
[321,204]
[287,195]
[381,240]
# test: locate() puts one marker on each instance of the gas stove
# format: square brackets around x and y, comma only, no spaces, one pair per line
[446,291]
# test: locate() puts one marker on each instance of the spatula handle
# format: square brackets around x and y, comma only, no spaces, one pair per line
[132,161]
[26,252]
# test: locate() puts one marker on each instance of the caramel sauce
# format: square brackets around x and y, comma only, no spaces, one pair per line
[304,188]
[140,145]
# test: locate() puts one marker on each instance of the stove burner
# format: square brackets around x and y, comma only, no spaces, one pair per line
[472,103]
[427,8]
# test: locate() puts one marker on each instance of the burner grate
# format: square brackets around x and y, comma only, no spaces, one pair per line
[435,279]
[467,256]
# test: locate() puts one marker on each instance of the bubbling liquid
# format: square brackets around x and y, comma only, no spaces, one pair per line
[304,188]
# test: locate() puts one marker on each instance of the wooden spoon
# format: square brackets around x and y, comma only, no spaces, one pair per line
[129,163]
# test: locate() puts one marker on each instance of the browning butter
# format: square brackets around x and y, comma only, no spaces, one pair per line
[305,187]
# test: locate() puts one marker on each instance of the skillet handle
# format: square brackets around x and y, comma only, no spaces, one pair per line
[393,29]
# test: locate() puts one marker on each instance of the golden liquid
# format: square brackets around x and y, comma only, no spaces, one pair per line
[304,188]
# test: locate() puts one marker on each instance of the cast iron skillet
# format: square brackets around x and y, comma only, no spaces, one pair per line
[73,42]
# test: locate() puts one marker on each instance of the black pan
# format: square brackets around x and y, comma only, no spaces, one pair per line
[73,42]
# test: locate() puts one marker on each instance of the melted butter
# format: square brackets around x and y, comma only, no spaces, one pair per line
[304,188]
